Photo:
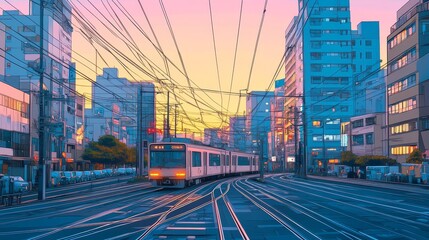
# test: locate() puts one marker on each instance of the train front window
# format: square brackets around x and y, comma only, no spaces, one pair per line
[167,159]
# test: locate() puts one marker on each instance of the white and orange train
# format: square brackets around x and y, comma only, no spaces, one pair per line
[177,165]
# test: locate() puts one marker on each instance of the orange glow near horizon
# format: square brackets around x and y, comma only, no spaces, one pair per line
[191,25]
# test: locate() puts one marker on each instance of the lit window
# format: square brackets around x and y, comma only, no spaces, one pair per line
[316,123]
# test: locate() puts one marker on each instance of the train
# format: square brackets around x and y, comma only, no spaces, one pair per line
[178,165]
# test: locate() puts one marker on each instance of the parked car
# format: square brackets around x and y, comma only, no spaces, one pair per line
[108,172]
[17,183]
[80,177]
[121,171]
[70,176]
[129,171]
[89,175]
[98,173]
[58,178]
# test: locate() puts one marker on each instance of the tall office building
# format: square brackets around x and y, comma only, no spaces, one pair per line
[323,57]
[407,81]
[237,133]
[276,143]
[116,114]
[2,50]
[258,122]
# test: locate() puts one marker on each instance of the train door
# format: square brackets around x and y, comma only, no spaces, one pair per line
[222,163]
[228,163]
[205,163]
[234,163]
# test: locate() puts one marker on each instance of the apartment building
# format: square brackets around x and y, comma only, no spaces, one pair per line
[407,81]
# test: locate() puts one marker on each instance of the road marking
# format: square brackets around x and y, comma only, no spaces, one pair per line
[186,228]
[229,228]
[184,222]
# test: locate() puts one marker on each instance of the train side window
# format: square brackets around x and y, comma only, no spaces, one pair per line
[196,159]
[243,161]
[214,159]
[227,160]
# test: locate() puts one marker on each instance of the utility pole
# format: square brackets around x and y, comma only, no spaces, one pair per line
[175,120]
[261,159]
[168,115]
[304,126]
[295,136]
[42,167]
[139,145]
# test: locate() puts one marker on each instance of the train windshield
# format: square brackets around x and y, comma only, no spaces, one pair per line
[167,159]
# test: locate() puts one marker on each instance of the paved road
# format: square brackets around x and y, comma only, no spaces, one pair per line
[282,207]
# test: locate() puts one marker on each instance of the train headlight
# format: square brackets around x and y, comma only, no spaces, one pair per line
[154,174]
[180,174]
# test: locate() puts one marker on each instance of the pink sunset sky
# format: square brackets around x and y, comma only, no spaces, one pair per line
[190,21]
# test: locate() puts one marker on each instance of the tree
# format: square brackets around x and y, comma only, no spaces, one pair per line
[370,160]
[416,156]
[348,158]
[108,150]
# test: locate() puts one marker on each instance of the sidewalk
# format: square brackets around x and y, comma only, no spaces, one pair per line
[415,188]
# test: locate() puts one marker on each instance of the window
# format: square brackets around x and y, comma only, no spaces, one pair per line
[316,67]
[315,33]
[333,121]
[425,27]
[401,85]
[317,138]
[242,161]
[425,124]
[400,37]
[316,56]
[404,127]
[316,44]
[316,123]
[27,28]
[402,150]
[370,121]
[167,159]
[331,138]
[358,140]
[357,123]
[316,80]
[368,43]
[196,159]
[403,106]
[368,55]
[403,60]
[369,138]
[214,159]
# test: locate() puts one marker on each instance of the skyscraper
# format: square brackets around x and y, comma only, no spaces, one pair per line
[321,64]
[258,121]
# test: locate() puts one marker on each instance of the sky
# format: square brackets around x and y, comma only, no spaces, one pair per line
[200,71]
